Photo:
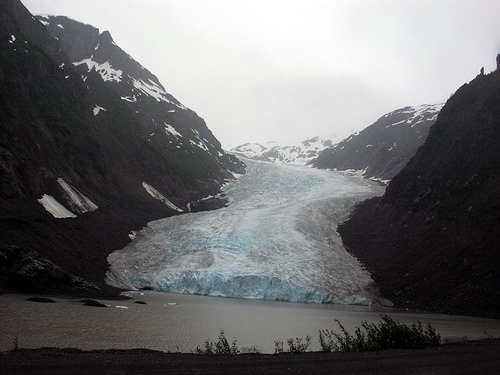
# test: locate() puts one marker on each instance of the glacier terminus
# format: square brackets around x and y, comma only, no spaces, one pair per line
[276,240]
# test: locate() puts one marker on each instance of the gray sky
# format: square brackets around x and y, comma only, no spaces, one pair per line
[264,70]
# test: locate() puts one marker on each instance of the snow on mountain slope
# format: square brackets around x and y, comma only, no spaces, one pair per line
[382,149]
[272,152]
[167,121]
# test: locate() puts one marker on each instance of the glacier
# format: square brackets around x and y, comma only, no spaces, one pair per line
[276,240]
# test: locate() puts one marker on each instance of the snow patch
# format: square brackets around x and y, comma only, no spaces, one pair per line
[55,208]
[157,195]
[382,181]
[171,130]
[200,144]
[354,172]
[154,90]
[237,175]
[60,26]
[424,112]
[107,72]
[97,109]
[131,99]
[83,203]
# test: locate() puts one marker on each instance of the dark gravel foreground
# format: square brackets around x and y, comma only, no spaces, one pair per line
[478,357]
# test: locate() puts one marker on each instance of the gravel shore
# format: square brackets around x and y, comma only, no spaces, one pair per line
[474,357]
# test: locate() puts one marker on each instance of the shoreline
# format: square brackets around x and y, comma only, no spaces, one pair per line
[470,357]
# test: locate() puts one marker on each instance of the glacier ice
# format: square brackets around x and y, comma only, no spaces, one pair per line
[277,240]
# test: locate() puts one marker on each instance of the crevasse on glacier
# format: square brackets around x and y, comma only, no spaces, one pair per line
[277,240]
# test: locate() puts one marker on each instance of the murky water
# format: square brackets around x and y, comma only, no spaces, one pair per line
[171,322]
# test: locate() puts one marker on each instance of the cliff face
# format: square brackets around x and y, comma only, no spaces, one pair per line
[432,241]
[92,146]
[382,149]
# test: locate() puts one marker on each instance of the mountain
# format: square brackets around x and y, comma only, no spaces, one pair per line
[92,147]
[382,149]
[432,241]
[299,154]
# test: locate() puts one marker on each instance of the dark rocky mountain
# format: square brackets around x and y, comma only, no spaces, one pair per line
[92,147]
[433,240]
[382,149]
[300,154]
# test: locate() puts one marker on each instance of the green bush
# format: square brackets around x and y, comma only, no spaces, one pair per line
[387,334]
[221,347]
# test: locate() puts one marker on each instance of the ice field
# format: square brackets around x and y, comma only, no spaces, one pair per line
[277,240]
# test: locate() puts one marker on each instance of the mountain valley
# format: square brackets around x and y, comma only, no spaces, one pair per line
[106,180]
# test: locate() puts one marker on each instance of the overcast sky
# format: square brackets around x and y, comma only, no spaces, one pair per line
[287,70]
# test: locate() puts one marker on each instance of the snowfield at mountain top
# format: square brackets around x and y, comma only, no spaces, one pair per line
[276,240]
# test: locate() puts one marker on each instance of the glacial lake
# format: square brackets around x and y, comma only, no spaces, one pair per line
[171,322]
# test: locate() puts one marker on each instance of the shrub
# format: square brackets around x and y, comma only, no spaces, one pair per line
[387,334]
[278,347]
[295,345]
[221,347]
